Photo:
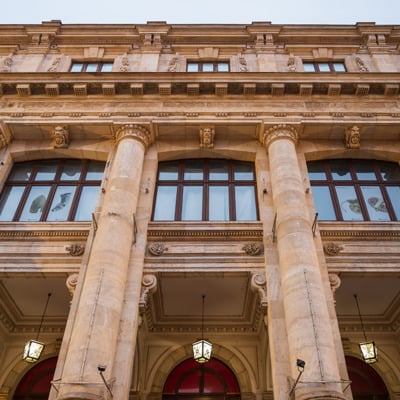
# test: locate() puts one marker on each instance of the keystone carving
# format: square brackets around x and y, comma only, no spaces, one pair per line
[61,137]
[157,248]
[352,137]
[149,286]
[207,137]
[332,249]
[258,284]
[252,249]
[76,250]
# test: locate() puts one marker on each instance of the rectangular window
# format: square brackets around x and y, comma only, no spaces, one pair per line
[208,66]
[326,66]
[245,203]
[91,67]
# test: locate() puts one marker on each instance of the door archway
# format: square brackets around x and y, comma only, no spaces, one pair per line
[366,382]
[36,383]
[212,380]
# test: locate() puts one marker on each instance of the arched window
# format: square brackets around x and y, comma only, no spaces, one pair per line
[355,190]
[51,190]
[191,379]
[205,190]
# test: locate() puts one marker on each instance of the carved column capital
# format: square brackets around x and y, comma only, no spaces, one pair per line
[279,132]
[133,131]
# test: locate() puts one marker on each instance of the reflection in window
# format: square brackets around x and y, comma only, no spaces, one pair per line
[355,190]
[54,190]
[205,190]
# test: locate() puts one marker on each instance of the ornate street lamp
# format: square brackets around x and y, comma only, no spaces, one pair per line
[33,348]
[368,349]
[202,348]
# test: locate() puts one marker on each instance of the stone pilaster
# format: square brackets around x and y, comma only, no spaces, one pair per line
[95,330]
[306,313]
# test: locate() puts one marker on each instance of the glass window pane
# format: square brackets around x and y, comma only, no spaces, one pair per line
[218,205]
[208,67]
[394,194]
[323,67]
[339,67]
[309,67]
[168,171]
[218,170]
[223,67]
[389,171]
[21,172]
[364,170]
[95,171]
[340,170]
[376,206]
[316,171]
[71,171]
[106,67]
[164,209]
[192,203]
[349,204]
[245,203]
[92,67]
[76,67]
[87,203]
[61,204]
[46,171]
[243,172]
[35,203]
[192,67]
[323,203]
[9,202]
[193,171]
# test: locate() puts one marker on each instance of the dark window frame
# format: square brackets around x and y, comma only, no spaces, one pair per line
[331,64]
[357,184]
[201,64]
[86,64]
[31,182]
[206,183]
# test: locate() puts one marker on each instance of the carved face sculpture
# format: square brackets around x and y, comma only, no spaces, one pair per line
[207,136]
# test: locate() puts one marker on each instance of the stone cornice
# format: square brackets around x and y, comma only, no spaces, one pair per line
[359,231]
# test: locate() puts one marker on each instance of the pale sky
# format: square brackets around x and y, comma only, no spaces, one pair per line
[386,12]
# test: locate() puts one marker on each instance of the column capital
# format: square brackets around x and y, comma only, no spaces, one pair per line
[279,132]
[133,131]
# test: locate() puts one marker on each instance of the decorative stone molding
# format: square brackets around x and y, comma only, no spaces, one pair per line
[322,53]
[291,63]
[279,132]
[6,64]
[332,249]
[157,248]
[61,137]
[76,250]
[335,283]
[71,283]
[54,65]
[124,63]
[132,131]
[149,285]
[352,137]
[258,284]
[253,249]
[243,67]
[207,137]
[173,64]
[361,65]
[4,139]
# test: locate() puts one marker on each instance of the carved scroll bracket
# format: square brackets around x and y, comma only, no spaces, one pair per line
[149,286]
[258,284]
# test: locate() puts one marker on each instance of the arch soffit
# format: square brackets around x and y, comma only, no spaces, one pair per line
[170,359]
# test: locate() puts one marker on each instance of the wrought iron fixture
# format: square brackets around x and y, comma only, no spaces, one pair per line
[33,349]
[202,348]
[368,349]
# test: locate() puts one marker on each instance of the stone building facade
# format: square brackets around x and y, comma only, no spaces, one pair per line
[143,167]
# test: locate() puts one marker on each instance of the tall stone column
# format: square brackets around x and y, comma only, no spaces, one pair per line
[96,326]
[306,313]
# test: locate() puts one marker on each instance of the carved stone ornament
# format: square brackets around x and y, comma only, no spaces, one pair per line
[6,64]
[207,137]
[252,249]
[149,285]
[54,65]
[156,248]
[291,64]
[132,131]
[280,132]
[332,249]
[61,137]
[258,284]
[352,137]
[71,283]
[76,250]
[361,65]
[243,67]
[124,63]
[173,64]
[335,283]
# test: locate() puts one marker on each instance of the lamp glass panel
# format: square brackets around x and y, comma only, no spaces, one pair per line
[202,351]
[369,352]
[33,350]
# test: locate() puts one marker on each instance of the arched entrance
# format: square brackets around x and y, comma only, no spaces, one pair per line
[36,384]
[366,383]
[212,380]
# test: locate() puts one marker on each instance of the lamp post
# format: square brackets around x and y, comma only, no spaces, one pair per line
[368,349]
[202,348]
[33,348]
